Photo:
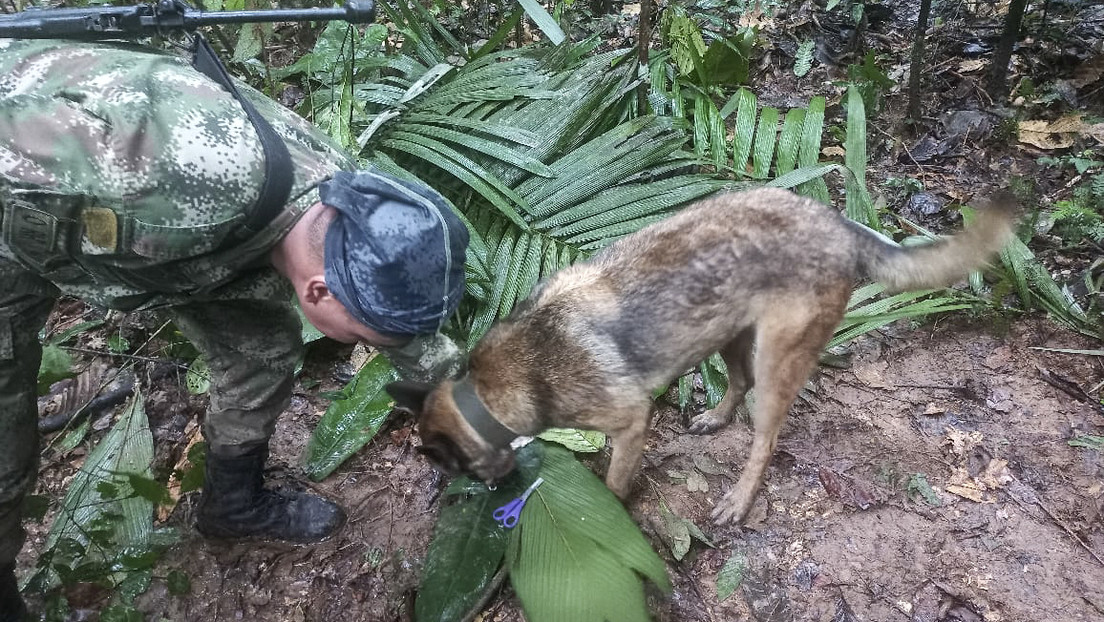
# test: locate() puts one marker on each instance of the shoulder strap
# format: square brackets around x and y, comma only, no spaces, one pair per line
[279,175]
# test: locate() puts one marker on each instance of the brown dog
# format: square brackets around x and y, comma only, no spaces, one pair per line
[587,348]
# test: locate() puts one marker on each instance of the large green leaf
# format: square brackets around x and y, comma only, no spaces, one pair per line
[468,545]
[465,553]
[543,20]
[576,555]
[101,513]
[859,206]
[351,421]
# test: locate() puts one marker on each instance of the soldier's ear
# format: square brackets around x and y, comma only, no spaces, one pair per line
[409,396]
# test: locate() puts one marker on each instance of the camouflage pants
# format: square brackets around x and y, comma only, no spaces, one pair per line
[251,346]
[25,304]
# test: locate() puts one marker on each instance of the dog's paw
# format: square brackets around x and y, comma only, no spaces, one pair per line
[733,508]
[708,422]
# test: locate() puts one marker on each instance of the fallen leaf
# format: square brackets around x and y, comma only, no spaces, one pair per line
[630,9]
[708,464]
[695,482]
[1088,72]
[846,490]
[1060,133]
[972,64]
[833,151]
[731,576]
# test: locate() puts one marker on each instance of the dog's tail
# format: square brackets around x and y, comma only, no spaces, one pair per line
[944,261]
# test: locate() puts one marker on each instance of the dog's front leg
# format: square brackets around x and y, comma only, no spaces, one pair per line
[628,450]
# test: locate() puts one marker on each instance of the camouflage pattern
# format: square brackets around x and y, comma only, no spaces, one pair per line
[429,358]
[25,303]
[123,173]
[127,171]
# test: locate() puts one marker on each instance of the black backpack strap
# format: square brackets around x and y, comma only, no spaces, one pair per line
[279,174]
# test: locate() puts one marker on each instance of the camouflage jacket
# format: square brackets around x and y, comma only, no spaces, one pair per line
[125,174]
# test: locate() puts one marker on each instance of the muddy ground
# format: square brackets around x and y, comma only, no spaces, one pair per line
[1011,532]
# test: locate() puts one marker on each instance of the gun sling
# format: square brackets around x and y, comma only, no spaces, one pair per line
[279,174]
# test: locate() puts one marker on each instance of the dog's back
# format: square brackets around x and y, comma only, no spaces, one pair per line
[660,300]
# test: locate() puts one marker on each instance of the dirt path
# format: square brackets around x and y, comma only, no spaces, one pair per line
[1016,534]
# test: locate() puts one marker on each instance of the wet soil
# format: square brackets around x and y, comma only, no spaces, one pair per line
[1010,530]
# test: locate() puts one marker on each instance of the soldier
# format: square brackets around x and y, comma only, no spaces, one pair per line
[130,179]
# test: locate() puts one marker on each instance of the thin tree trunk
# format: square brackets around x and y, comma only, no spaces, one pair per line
[643,40]
[998,76]
[914,108]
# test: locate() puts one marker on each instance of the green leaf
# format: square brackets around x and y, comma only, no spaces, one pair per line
[731,576]
[198,378]
[789,140]
[804,60]
[466,551]
[744,132]
[104,526]
[67,334]
[582,441]
[1088,441]
[765,137]
[714,374]
[543,20]
[56,365]
[73,438]
[148,488]
[576,555]
[178,582]
[918,485]
[121,613]
[350,422]
[679,532]
[309,333]
[809,148]
[859,206]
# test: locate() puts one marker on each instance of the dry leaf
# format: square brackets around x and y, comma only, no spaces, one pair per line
[630,9]
[833,151]
[1088,72]
[1058,134]
[969,65]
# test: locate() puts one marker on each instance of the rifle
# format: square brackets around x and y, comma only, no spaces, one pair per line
[158,18]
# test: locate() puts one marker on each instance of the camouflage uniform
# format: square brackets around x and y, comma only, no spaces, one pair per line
[124,178]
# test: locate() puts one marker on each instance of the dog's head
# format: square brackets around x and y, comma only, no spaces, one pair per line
[448,441]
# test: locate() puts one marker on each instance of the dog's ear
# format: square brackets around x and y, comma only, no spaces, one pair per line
[409,396]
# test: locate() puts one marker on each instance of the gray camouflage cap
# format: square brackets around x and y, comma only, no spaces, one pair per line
[394,256]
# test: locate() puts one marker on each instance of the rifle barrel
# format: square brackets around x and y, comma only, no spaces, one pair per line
[144,20]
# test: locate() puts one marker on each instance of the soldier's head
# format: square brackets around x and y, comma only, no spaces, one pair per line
[392,253]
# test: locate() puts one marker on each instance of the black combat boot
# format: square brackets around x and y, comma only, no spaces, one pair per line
[12,608]
[236,505]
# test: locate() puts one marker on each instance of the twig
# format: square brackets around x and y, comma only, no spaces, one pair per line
[488,594]
[1035,500]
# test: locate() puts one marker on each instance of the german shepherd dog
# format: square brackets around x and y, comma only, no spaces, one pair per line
[761,276]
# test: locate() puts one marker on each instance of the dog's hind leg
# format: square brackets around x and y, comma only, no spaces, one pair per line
[789,344]
[737,357]
[628,447]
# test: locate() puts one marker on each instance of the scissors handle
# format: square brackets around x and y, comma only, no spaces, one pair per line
[503,512]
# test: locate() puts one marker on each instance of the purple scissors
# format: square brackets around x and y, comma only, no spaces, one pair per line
[508,515]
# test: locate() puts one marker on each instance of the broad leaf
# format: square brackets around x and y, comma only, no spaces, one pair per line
[576,555]
[582,441]
[352,421]
[101,514]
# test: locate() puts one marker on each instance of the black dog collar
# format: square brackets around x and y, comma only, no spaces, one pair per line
[478,417]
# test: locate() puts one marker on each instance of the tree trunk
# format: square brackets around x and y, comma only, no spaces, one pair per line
[643,40]
[914,108]
[998,76]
